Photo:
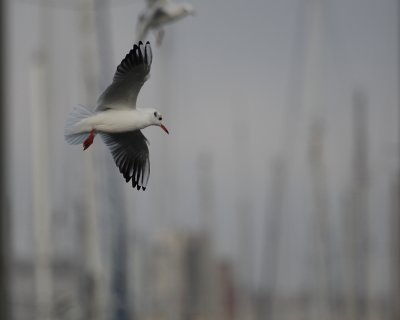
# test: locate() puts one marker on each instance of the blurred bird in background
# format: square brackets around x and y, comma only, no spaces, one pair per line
[159,13]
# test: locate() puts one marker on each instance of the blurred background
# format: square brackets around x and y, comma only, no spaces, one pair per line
[275,196]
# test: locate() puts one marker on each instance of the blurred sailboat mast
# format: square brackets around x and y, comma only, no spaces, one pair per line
[165,57]
[205,165]
[41,204]
[360,197]
[320,235]
[244,216]
[395,219]
[356,218]
[94,277]
[114,202]
[270,259]
[206,193]
[271,244]
[322,253]
[39,83]
[320,242]
[4,215]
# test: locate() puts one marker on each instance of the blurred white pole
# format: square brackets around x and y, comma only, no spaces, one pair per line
[94,273]
[41,202]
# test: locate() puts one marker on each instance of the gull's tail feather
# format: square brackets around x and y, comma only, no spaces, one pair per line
[72,132]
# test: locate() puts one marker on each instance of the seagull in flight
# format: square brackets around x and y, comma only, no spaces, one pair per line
[157,14]
[117,119]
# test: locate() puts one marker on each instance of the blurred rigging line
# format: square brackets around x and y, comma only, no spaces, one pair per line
[4,213]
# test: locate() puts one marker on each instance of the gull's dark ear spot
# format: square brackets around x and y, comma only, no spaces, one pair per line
[155,114]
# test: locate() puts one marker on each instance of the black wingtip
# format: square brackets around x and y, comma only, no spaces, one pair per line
[140,43]
[137,186]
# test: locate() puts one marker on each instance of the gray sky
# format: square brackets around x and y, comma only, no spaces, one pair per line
[235,65]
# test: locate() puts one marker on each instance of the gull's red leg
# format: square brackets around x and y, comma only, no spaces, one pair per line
[87,143]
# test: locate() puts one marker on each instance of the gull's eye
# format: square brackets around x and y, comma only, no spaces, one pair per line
[160,118]
[155,114]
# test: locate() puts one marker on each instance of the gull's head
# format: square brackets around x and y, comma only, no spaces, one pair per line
[187,9]
[157,120]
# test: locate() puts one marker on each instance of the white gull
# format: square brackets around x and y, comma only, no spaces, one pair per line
[118,120]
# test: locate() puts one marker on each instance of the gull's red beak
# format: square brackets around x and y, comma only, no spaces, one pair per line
[164,128]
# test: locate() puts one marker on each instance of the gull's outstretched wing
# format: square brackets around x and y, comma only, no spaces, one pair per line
[131,155]
[129,78]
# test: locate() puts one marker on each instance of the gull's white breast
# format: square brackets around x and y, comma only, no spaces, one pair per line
[115,121]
